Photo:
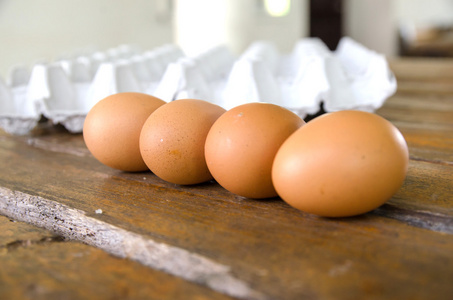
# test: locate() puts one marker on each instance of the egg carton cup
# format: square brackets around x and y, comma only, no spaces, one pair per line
[63,91]
[351,77]
[200,77]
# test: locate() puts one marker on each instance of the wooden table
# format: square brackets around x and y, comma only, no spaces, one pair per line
[71,228]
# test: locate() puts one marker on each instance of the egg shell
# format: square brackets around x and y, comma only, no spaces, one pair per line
[172,140]
[241,146]
[112,129]
[341,164]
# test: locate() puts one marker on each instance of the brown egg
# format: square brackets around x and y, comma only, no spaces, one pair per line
[112,129]
[172,140]
[241,146]
[341,164]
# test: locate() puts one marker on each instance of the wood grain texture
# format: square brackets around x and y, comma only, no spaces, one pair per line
[37,264]
[402,250]
[422,69]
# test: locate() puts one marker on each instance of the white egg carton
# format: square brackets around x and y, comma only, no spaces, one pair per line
[64,91]
[351,77]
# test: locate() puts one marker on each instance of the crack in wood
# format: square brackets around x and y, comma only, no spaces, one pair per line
[55,147]
[421,219]
[74,224]
[434,161]
[28,242]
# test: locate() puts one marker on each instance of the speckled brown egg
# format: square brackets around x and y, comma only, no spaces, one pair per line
[112,129]
[341,164]
[241,146]
[172,140]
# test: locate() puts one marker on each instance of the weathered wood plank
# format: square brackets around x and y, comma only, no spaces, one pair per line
[278,251]
[444,88]
[422,69]
[258,249]
[424,75]
[430,103]
[36,264]
[411,110]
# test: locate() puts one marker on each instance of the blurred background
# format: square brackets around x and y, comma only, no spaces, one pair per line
[36,30]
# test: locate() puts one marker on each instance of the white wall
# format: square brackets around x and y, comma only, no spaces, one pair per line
[31,30]
[424,12]
[201,24]
[372,23]
[375,23]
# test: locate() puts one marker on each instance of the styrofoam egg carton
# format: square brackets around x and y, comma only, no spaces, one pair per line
[65,90]
[351,77]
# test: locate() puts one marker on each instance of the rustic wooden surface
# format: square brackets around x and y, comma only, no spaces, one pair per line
[155,240]
[36,264]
